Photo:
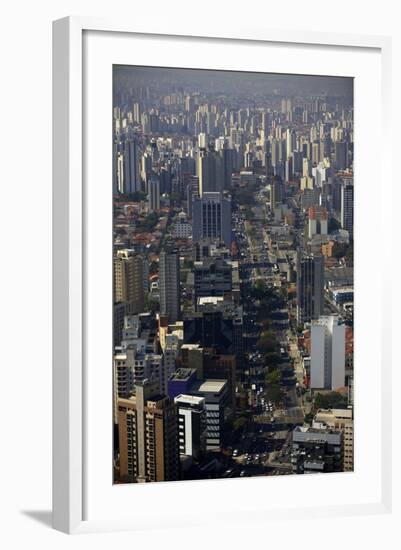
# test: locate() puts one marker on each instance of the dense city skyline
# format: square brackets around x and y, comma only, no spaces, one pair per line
[233,274]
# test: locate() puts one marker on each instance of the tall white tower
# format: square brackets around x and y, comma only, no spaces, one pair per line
[328,353]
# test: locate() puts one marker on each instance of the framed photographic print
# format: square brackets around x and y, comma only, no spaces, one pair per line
[216,324]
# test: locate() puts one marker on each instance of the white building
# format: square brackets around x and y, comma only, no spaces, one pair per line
[191,424]
[328,353]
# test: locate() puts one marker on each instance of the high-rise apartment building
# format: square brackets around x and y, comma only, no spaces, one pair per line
[169,284]
[147,428]
[128,280]
[327,353]
[310,287]
[212,218]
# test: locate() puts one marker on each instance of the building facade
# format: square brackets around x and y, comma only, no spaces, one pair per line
[147,428]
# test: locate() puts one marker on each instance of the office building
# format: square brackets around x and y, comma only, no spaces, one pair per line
[169,284]
[210,172]
[218,366]
[191,413]
[212,218]
[327,353]
[214,329]
[147,428]
[212,277]
[310,287]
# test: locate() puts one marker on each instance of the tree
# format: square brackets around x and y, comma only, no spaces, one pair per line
[333,225]
[267,342]
[332,400]
[259,290]
[339,250]
[240,423]
[273,377]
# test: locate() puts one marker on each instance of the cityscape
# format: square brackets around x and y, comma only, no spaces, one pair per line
[233,198]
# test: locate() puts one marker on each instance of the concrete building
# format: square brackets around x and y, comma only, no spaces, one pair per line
[327,353]
[147,428]
[339,419]
[191,411]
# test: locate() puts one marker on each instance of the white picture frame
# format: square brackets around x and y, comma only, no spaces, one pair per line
[70,224]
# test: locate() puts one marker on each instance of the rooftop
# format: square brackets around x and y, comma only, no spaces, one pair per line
[211,386]
[189,399]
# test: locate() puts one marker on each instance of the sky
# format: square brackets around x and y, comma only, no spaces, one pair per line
[223,81]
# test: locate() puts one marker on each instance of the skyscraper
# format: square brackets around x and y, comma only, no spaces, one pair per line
[212,218]
[169,284]
[328,353]
[147,427]
[210,171]
[341,160]
[154,193]
[347,207]
[132,180]
[310,283]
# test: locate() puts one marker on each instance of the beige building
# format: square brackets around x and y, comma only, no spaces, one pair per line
[339,419]
[147,428]
[128,280]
